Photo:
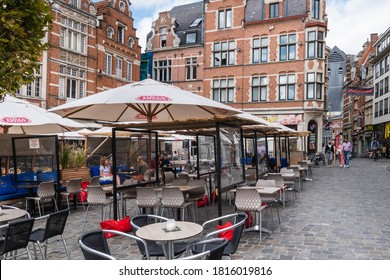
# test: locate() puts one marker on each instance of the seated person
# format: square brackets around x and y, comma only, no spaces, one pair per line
[142,167]
[105,169]
[165,164]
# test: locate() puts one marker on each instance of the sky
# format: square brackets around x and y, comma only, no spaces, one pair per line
[350,21]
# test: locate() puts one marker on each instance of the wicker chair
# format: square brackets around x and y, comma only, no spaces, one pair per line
[173,198]
[97,197]
[73,188]
[147,198]
[248,199]
[45,191]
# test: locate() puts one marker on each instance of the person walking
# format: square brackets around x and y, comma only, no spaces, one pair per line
[347,150]
[330,154]
[340,154]
[375,148]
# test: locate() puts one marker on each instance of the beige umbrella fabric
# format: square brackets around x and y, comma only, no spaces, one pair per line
[18,116]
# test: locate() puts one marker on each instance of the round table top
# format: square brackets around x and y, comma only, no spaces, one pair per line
[157,232]
[11,214]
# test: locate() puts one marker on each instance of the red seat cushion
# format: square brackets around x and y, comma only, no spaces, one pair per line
[226,234]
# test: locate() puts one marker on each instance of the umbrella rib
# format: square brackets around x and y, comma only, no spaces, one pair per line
[166,107]
[137,108]
[76,111]
[208,111]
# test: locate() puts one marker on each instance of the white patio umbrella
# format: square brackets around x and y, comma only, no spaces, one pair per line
[21,117]
[147,100]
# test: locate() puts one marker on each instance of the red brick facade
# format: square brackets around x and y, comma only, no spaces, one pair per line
[73,67]
[240,67]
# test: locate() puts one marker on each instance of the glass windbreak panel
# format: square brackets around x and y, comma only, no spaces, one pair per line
[136,157]
[36,158]
[206,154]
[231,157]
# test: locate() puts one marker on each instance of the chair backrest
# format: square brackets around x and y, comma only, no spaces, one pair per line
[146,174]
[142,220]
[303,164]
[247,199]
[286,170]
[94,181]
[55,224]
[96,195]
[215,246]
[46,189]
[184,176]
[169,177]
[94,246]
[200,256]
[17,235]
[74,186]
[266,184]
[277,177]
[237,226]
[146,197]
[295,169]
[172,197]
[179,182]
[145,219]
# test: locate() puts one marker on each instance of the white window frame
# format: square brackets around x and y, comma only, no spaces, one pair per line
[108,64]
[119,67]
[259,89]
[224,53]
[259,46]
[129,71]
[121,33]
[223,90]
[110,32]
[225,19]
[191,65]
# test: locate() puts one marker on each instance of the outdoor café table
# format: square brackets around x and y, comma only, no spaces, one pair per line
[157,232]
[11,214]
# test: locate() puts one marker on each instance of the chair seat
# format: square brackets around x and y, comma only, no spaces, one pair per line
[37,235]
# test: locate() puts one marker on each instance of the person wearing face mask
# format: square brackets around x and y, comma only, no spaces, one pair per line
[330,154]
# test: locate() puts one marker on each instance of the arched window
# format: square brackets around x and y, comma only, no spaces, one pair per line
[110,32]
[131,42]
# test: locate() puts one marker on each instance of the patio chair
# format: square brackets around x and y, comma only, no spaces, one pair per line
[97,197]
[183,176]
[238,221]
[215,247]
[248,199]
[269,199]
[169,176]
[308,171]
[278,178]
[94,181]
[128,194]
[155,249]
[147,198]
[55,226]
[200,256]
[94,244]
[45,191]
[173,198]
[73,188]
[16,236]
[298,176]
[196,194]
[179,182]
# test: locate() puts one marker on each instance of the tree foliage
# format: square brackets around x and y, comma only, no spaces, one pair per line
[23,25]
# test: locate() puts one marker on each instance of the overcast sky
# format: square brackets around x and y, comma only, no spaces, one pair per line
[350,21]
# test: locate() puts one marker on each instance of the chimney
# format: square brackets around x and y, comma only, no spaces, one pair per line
[374,37]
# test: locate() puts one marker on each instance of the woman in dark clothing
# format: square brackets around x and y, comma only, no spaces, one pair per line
[330,153]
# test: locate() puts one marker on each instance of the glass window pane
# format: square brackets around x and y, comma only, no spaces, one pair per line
[263,92]
[223,83]
[311,36]
[291,92]
[291,52]
[232,57]
[255,92]
[215,83]
[232,45]
[282,92]
[310,91]
[224,46]
[255,81]
[291,79]
[264,42]
[292,38]
[231,95]
[223,95]
[283,40]
[283,79]
[263,81]
[256,43]
[230,82]
[228,18]
[217,46]
[256,56]
[283,52]
[310,77]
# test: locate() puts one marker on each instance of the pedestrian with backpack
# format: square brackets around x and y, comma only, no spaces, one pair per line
[374,148]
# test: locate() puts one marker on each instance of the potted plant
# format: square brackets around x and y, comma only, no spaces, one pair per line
[73,162]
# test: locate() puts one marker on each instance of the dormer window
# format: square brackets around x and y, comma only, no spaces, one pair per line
[121,34]
[196,22]
[274,10]
[110,33]
[75,3]
[191,38]
[163,37]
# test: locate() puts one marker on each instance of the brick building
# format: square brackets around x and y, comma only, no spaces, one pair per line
[93,47]
[265,57]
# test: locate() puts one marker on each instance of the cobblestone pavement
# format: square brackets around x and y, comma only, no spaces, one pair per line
[343,213]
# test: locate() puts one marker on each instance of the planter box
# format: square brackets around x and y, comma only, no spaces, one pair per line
[71,173]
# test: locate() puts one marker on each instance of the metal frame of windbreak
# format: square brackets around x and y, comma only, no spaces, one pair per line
[57,159]
[218,162]
[114,156]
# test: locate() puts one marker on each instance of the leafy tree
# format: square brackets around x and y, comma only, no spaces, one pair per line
[23,25]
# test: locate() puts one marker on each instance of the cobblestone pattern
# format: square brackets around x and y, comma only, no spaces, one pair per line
[343,213]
